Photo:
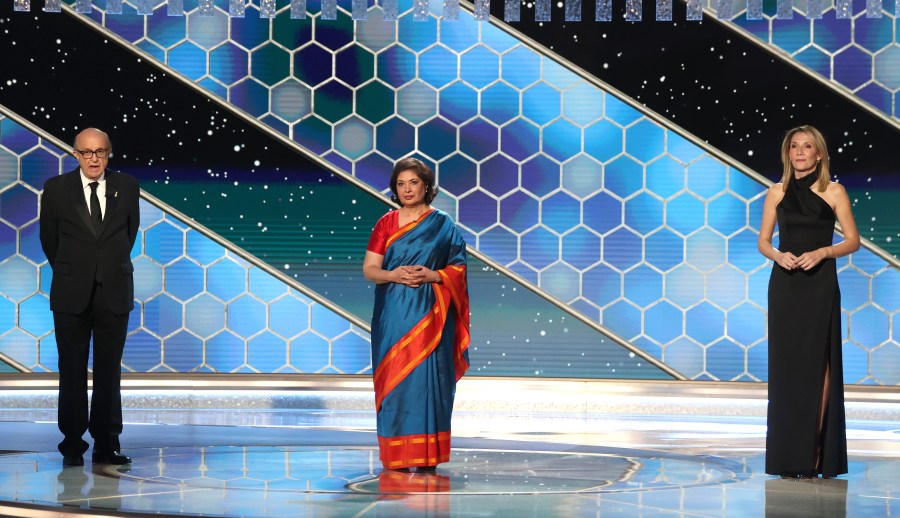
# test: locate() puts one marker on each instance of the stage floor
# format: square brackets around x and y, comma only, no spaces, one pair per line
[519,450]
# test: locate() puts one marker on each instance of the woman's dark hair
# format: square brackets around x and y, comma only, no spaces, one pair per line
[422,171]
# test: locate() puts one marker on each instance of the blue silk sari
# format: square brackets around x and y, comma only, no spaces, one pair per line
[420,339]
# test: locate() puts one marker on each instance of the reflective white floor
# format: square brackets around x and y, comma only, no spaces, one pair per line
[309,462]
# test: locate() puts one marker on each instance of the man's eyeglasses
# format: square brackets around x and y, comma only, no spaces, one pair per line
[87,154]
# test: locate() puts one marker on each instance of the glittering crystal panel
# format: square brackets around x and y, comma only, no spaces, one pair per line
[784,9]
[814,9]
[873,9]
[664,10]
[175,7]
[843,9]
[482,10]
[144,7]
[22,5]
[52,6]
[594,202]
[633,10]
[236,8]
[206,7]
[694,10]
[114,7]
[573,10]
[512,11]
[451,10]
[267,8]
[83,6]
[603,11]
[542,10]
[360,9]
[723,9]
[754,10]
[329,9]
[298,9]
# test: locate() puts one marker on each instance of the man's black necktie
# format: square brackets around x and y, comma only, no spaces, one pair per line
[96,215]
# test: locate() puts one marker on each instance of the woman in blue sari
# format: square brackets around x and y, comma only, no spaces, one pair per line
[420,323]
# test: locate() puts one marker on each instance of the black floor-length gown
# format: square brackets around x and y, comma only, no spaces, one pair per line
[804,338]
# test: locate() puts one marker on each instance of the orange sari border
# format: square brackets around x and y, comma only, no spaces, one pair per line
[413,347]
[406,228]
[407,451]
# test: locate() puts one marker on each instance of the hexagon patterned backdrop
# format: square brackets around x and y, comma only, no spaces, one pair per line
[856,50]
[564,184]
[199,307]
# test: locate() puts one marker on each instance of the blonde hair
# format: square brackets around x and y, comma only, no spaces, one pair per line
[822,166]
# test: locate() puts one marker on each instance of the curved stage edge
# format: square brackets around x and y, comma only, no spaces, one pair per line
[305,446]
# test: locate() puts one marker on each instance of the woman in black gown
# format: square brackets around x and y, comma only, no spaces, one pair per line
[806,431]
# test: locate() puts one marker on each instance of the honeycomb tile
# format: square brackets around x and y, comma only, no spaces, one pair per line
[664,249]
[18,278]
[560,212]
[602,212]
[623,177]
[418,35]
[561,140]
[267,352]
[327,323]
[869,326]
[35,316]
[583,104]
[541,103]
[644,213]
[350,353]
[246,316]
[519,211]
[643,286]
[458,102]
[188,59]
[622,248]
[561,281]
[204,316]
[479,139]
[479,66]
[183,352]
[623,318]
[520,139]
[540,175]
[417,102]
[521,67]
[228,63]
[310,352]
[183,279]
[498,175]
[725,360]
[437,140]
[645,141]
[704,323]
[499,103]
[163,315]
[225,352]
[354,65]
[18,205]
[664,322]
[477,210]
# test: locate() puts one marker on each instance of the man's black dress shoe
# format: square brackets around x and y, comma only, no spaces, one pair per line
[110,457]
[73,460]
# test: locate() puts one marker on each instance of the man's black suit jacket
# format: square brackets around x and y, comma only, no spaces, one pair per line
[77,255]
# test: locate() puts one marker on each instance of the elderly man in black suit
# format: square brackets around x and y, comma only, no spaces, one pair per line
[89,222]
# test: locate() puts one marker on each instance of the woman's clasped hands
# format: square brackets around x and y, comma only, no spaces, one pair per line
[413,276]
[805,261]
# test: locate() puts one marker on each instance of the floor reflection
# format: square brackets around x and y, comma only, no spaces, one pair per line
[335,472]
